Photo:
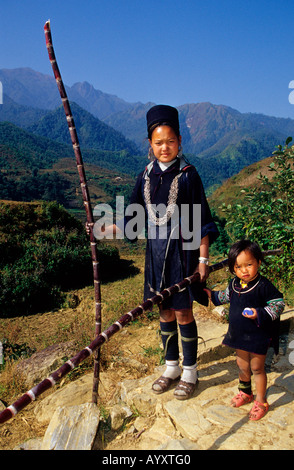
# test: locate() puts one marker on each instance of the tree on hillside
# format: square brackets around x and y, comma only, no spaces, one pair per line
[267,214]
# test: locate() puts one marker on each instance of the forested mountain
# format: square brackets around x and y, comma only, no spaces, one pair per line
[31,168]
[219,140]
[212,131]
[92,132]
[19,114]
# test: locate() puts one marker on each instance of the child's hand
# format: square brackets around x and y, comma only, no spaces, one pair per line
[250,313]
[208,292]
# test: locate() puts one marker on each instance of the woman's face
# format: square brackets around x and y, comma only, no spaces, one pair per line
[165,143]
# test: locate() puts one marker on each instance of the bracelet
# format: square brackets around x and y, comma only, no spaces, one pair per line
[204,260]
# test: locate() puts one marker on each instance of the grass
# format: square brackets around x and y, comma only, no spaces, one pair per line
[66,324]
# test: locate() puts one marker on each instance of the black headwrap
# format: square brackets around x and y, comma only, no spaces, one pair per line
[162,114]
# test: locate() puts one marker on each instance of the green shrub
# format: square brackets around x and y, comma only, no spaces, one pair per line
[267,215]
[44,252]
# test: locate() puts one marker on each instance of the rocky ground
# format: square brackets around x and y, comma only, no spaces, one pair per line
[207,421]
[133,418]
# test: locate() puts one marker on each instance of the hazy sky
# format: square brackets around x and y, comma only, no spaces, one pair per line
[238,53]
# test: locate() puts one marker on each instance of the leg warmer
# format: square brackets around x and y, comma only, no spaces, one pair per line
[169,335]
[189,340]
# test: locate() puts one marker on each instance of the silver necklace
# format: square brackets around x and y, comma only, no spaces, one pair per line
[239,292]
[171,203]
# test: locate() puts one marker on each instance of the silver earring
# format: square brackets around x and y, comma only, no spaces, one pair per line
[180,152]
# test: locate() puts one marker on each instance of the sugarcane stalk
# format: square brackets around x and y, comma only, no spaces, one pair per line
[100,339]
[56,376]
[86,200]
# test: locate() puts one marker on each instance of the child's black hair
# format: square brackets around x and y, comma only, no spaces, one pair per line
[240,246]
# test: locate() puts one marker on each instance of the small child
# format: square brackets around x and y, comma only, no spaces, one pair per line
[255,308]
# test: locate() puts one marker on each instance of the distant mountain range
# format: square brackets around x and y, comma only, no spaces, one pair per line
[30,88]
[219,140]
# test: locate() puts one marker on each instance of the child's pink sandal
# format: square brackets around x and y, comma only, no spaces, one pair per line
[241,399]
[258,410]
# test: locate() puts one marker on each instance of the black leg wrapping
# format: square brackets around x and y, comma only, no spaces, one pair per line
[169,335]
[189,343]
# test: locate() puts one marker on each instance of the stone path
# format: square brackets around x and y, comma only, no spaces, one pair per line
[142,420]
[206,421]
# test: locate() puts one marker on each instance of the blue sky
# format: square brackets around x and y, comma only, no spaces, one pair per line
[237,53]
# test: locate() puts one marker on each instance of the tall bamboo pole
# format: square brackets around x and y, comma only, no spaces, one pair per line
[56,376]
[86,199]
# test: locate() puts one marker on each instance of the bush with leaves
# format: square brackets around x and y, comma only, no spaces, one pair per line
[44,252]
[13,352]
[266,215]
[220,245]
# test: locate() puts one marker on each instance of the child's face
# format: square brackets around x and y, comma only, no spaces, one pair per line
[165,143]
[246,266]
